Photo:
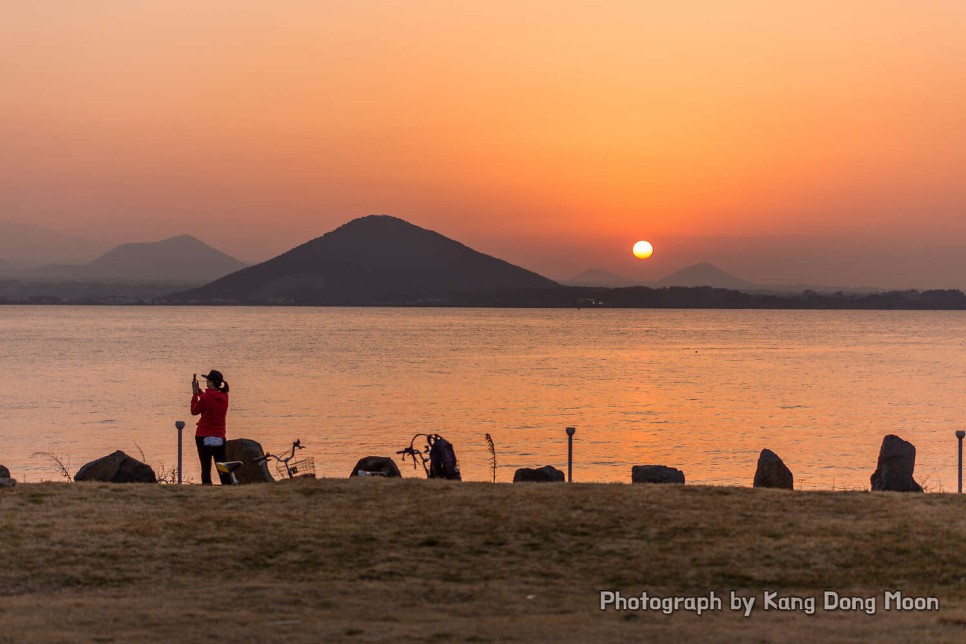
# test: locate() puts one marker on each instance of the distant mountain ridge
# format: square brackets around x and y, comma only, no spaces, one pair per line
[600,277]
[378,259]
[27,245]
[705,274]
[178,259]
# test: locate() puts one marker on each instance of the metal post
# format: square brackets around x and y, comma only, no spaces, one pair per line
[179,425]
[960,434]
[570,454]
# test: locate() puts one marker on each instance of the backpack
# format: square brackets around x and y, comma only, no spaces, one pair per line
[442,459]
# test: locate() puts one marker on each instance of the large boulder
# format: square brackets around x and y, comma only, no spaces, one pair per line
[656,474]
[116,468]
[893,472]
[132,470]
[545,474]
[376,466]
[246,451]
[103,469]
[772,472]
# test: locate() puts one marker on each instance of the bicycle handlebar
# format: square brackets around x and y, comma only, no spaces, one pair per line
[296,445]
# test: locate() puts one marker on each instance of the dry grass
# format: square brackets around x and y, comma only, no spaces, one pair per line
[376,559]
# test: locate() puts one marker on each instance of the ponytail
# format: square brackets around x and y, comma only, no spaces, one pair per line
[218,380]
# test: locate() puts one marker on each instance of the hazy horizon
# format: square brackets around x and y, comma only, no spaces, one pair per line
[814,143]
[762,261]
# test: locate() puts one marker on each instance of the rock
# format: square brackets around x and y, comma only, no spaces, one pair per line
[893,472]
[378,465]
[4,472]
[656,474]
[6,481]
[545,474]
[103,469]
[116,468]
[132,470]
[772,472]
[246,451]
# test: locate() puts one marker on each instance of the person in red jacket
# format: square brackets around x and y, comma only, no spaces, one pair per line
[212,406]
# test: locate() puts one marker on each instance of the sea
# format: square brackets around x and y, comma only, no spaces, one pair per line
[700,390]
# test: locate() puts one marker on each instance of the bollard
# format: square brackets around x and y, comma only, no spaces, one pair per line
[960,434]
[179,425]
[570,454]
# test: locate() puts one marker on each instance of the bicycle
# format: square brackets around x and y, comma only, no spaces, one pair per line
[287,467]
[438,457]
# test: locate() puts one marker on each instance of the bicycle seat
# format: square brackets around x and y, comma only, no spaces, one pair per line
[228,466]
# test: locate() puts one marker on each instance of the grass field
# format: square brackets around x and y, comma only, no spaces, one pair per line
[376,560]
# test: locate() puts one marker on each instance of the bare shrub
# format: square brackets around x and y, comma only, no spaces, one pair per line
[928,486]
[492,449]
[165,475]
[62,467]
[168,475]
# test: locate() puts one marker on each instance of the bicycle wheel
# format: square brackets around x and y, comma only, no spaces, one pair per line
[282,469]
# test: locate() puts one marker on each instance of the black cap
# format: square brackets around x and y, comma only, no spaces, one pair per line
[214,376]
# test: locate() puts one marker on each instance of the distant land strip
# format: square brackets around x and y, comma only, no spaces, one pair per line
[677,297]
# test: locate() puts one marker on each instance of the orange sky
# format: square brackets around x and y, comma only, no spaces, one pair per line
[792,141]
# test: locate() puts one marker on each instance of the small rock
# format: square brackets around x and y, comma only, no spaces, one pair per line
[656,474]
[246,451]
[5,479]
[378,466]
[893,472]
[772,472]
[545,474]
[116,468]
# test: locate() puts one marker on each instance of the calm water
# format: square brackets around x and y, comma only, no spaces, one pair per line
[704,391]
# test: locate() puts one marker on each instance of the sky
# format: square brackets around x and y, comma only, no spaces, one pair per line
[786,142]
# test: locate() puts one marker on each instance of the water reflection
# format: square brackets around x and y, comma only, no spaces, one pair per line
[703,391]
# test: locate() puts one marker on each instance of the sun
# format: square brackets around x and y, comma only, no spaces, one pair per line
[643,250]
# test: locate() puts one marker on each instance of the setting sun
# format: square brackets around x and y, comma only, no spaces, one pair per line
[643,250]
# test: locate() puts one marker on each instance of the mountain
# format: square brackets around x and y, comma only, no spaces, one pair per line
[371,260]
[181,259]
[600,277]
[31,246]
[178,258]
[704,274]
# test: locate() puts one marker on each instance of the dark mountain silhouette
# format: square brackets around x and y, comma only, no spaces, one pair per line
[29,246]
[371,260]
[600,277]
[178,259]
[704,274]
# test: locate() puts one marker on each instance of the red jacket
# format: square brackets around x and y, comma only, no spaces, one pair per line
[212,405]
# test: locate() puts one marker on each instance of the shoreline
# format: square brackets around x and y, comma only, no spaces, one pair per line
[560,297]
